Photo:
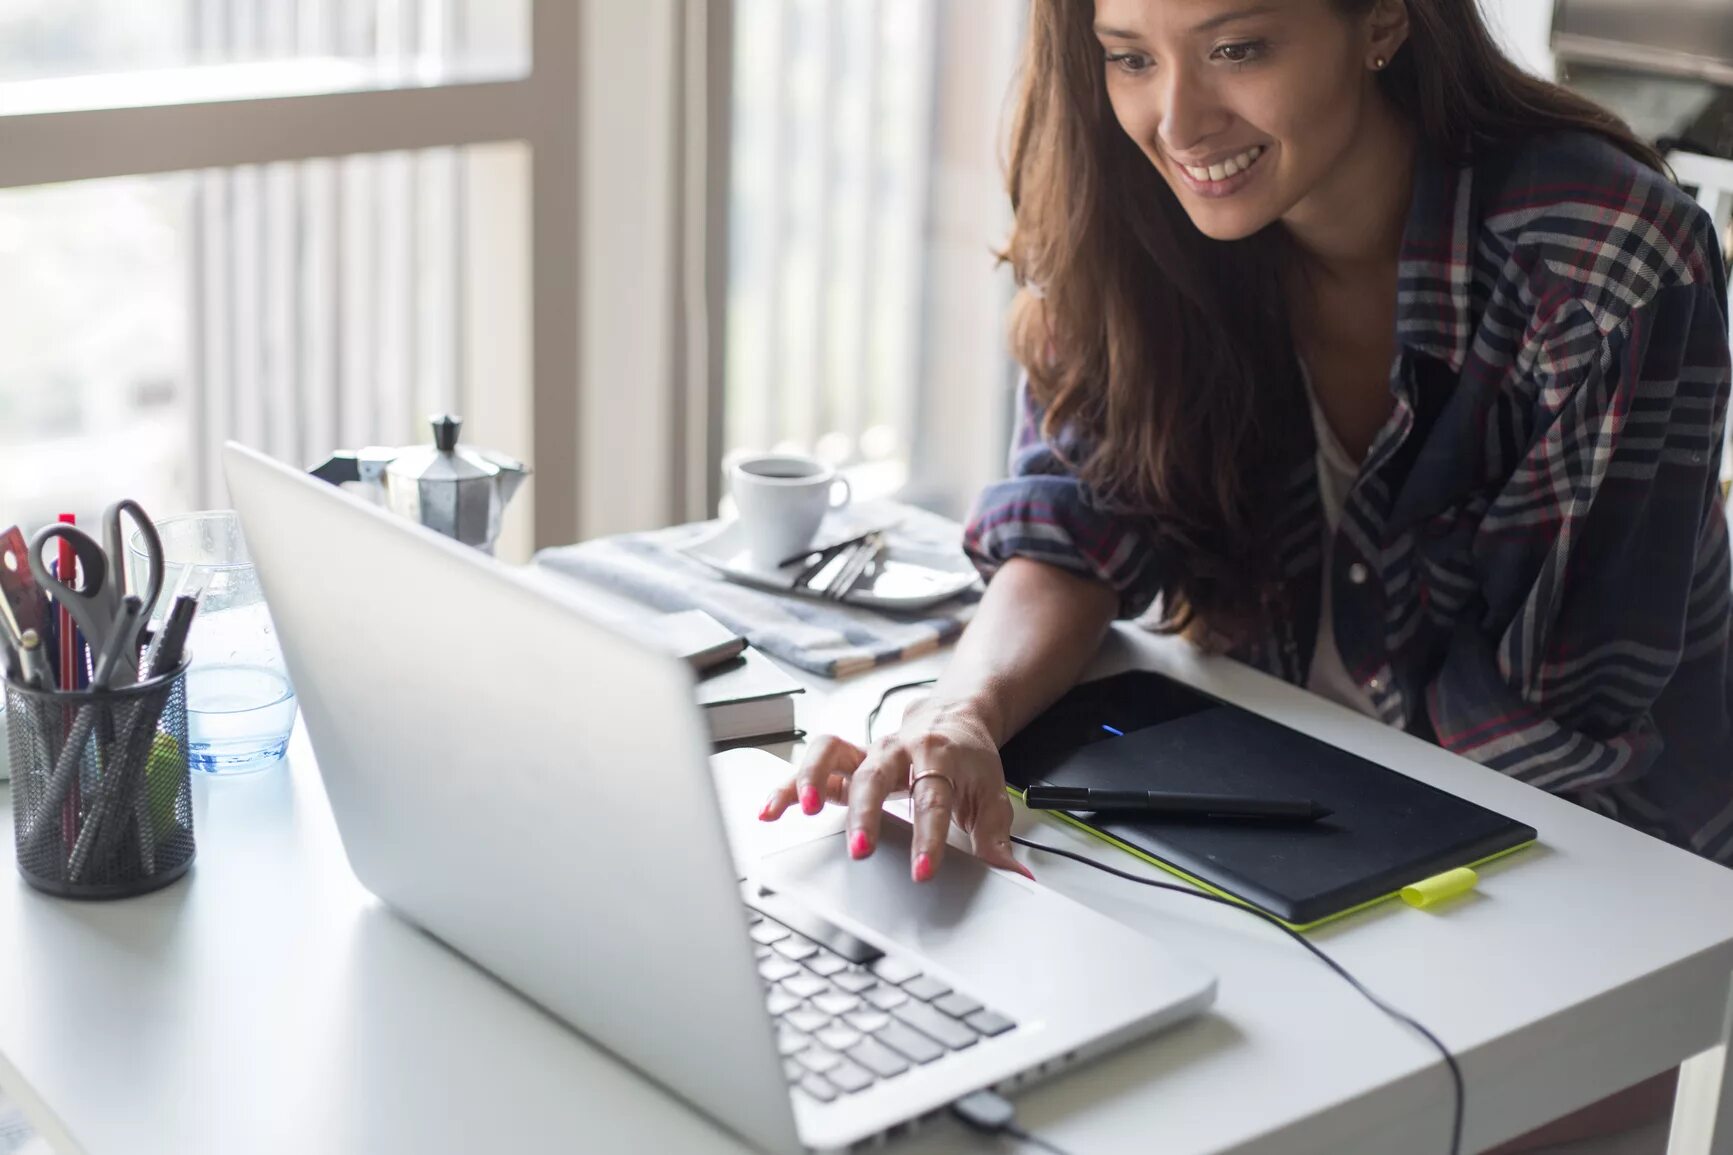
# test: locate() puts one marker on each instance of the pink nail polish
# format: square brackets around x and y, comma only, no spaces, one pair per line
[858,846]
[809,801]
[923,868]
[764,815]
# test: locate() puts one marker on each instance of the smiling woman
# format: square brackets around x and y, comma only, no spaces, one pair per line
[1357,353]
[1363,356]
[1316,106]
[1326,366]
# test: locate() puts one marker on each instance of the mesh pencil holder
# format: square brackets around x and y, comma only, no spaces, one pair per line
[101,797]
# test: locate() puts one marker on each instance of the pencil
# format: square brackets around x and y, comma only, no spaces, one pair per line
[67,571]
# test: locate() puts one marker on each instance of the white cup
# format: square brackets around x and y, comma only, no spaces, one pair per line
[782,498]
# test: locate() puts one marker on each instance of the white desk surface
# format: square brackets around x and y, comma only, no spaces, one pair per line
[267,1003]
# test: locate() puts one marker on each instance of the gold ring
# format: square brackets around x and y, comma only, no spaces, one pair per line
[939,774]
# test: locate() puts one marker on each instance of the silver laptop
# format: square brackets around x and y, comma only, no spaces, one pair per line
[533,788]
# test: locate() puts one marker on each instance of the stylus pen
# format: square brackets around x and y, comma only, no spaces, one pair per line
[1162,802]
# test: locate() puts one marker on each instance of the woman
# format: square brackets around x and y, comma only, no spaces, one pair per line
[1362,356]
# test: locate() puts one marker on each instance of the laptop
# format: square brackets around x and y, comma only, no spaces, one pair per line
[532,787]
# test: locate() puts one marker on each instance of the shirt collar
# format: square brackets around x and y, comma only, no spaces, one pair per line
[1436,267]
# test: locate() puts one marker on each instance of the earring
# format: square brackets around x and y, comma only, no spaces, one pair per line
[1378,63]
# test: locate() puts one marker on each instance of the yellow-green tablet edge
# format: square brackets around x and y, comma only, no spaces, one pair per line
[1103,836]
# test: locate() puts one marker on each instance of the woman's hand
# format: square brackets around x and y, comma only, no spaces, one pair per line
[943,755]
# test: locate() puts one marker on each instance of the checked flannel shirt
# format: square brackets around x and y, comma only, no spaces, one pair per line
[1532,567]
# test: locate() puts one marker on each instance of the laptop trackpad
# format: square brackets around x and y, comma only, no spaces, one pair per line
[962,918]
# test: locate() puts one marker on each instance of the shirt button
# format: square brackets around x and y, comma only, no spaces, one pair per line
[1358,573]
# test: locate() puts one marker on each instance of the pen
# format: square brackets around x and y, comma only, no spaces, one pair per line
[1161,803]
[72,751]
[169,645]
[49,632]
[37,674]
[66,569]
[125,791]
[113,772]
[74,804]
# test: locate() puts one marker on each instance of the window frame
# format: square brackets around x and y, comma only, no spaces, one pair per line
[623,224]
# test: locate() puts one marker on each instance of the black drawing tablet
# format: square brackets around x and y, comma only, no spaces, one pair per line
[1386,830]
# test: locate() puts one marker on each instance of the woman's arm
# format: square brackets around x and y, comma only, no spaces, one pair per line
[1059,570]
[1033,634]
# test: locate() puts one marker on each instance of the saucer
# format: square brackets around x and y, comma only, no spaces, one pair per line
[908,577]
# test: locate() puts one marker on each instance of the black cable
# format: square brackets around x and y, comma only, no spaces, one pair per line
[1010,1128]
[991,1113]
[873,714]
[1449,1059]
[1032,1139]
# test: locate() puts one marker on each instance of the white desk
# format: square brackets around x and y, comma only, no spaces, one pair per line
[267,1004]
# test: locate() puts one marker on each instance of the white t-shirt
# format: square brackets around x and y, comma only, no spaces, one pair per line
[1337,470]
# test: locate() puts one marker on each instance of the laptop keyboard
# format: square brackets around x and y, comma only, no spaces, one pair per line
[847,1014]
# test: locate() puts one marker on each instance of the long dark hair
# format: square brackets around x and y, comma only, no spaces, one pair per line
[1157,348]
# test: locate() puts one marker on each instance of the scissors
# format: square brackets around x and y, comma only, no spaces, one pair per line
[98,605]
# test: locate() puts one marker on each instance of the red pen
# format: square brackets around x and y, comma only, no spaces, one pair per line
[70,662]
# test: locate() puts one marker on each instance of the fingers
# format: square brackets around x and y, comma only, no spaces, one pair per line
[780,800]
[884,770]
[834,789]
[841,772]
[823,777]
[992,836]
[932,797]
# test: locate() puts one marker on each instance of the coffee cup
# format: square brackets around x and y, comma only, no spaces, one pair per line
[782,498]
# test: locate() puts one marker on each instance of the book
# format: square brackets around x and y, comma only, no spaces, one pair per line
[699,638]
[749,697]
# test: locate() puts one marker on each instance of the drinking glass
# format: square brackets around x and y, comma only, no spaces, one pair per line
[240,704]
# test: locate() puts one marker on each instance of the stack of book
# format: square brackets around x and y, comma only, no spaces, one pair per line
[744,694]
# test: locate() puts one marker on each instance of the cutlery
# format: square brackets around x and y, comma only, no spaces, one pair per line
[865,554]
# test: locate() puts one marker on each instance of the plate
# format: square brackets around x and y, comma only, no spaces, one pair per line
[909,576]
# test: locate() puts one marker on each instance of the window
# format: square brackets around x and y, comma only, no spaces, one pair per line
[864,312]
[321,218]
[322,297]
[81,42]
[93,345]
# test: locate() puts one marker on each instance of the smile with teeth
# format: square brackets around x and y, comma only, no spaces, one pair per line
[1224,169]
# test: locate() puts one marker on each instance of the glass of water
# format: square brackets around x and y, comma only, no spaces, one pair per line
[240,705]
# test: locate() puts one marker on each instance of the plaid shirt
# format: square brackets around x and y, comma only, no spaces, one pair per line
[1532,567]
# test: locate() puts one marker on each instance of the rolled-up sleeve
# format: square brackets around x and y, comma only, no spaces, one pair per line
[1043,512]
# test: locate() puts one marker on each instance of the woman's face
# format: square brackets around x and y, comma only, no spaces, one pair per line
[1245,107]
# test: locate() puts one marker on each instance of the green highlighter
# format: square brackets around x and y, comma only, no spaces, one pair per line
[162,777]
